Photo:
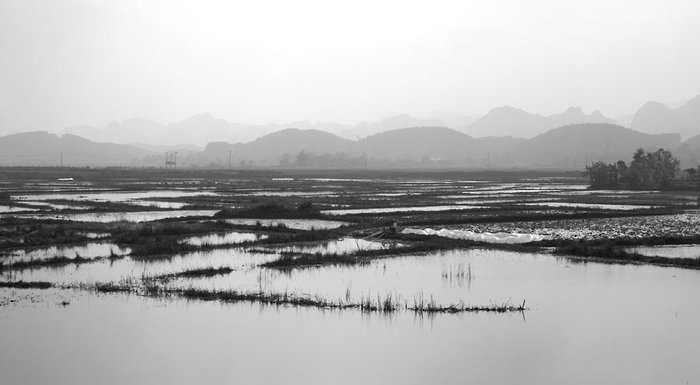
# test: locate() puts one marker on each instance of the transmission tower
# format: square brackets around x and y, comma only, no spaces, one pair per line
[171,159]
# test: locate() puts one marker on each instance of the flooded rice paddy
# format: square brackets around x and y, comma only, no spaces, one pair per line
[192,287]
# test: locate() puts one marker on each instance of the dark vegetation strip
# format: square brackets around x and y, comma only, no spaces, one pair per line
[48,262]
[27,284]
[136,233]
[607,251]
[273,210]
[496,217]
[603,250]
[300,260]
[196,273]
[18,233]
[660,240]
[367,304]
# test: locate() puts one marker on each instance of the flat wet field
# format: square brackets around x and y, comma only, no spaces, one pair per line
[400,277]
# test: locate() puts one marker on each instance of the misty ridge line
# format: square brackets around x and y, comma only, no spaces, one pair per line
[196,131]
[414,144]
[566,147]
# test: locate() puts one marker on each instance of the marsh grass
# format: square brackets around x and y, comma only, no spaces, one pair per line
[367,304]
[195,273]
[389,303]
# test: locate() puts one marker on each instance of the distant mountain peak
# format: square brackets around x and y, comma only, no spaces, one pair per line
[574,110]
[656,117]
[205,116]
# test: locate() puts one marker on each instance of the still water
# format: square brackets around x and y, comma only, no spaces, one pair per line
[587,323]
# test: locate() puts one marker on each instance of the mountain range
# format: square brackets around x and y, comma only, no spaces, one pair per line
[45,149]
[570,146]
[655,117]
[197,131]
[504,137]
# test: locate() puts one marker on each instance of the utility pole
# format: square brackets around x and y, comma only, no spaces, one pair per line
[229,158]
[170,159]
[61,159]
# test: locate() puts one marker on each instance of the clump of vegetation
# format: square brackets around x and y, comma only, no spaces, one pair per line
[647,170]
[298,260]
[160,246]
[459,272]
[196,273]
[136,233]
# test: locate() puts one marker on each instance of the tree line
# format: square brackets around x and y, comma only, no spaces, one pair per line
[659,169]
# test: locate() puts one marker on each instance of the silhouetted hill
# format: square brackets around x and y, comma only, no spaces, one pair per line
[456,121]
[509,121]
[366,129]
[569,146]
[423,144]
[42,148]
[273,148]
[689,152]
[127,130]
[578,144]
[293,140]
[655,117]
[492,151]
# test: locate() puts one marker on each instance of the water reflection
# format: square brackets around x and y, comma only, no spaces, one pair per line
[90,250]
[223,239]
[336,246]
[107,217]
[575,318]
[298,224]
[667,251]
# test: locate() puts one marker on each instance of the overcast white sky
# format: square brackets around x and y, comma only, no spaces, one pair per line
[76,62]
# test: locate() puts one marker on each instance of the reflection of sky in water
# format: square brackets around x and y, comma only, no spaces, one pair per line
[337,246]
[668,251]
[223,239]
[15,209]
[114,196]
[90,250]
[136,216]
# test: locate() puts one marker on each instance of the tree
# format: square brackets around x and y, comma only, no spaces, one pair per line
[637,174]
[622,172]
[663,167]
[690,174]
[647,170]
[302,158]
[601,174]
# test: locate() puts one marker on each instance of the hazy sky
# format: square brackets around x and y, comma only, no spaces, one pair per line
[90,61]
